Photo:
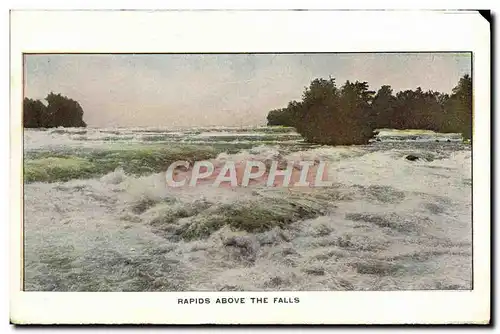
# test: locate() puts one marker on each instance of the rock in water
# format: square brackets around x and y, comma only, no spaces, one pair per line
[412,157]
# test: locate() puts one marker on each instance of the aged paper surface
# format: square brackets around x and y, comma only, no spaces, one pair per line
[250,167]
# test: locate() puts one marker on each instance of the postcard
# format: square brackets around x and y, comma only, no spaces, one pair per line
[230,167]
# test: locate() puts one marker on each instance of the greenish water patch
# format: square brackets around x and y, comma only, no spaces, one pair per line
[276,129]
[63,131]
[164,137]
[249,137]
[258,215]
[259,129]
[50,166]
[57,169]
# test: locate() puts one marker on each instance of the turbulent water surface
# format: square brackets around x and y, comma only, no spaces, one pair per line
[99,217]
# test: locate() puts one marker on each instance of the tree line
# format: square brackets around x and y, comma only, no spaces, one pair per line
[349,114]
[59,111]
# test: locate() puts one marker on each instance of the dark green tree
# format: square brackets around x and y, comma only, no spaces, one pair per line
[63,111]
[417,110]
[459,108]
[280,117]
[333,116]
[60,111]
[383,106]
[349,115]
[314,114]
[356,113]
[34,113]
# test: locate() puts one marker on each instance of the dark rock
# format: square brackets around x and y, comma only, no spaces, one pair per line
[289,262]
[288,251]
[378,268]
[276,281]
[315,271]
[449,141]
[412,157]
[229,288]
[244,247]
[346,284]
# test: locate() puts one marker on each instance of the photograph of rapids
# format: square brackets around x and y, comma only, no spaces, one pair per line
[99,216]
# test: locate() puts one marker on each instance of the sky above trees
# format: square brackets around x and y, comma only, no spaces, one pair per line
[229,90]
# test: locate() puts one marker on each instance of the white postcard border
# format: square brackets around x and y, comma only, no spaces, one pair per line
[257,31]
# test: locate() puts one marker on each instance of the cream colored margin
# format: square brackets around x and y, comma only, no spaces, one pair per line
[278,31]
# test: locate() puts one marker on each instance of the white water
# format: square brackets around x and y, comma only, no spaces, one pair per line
[391,224]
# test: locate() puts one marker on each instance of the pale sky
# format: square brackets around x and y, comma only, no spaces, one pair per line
[229,90]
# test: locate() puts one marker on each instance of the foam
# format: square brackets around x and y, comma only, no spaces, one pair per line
[386,224]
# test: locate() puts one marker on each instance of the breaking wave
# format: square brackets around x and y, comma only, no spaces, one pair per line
[102,219]
[64,165]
